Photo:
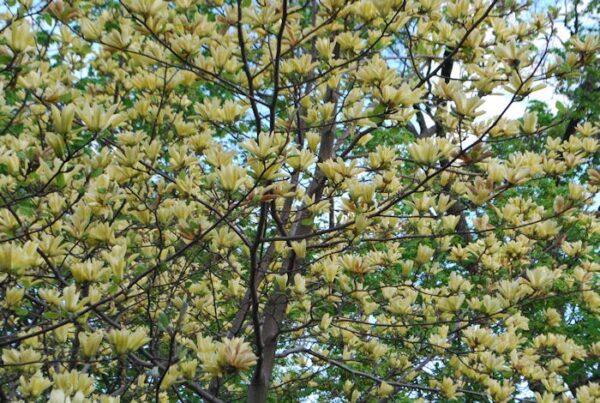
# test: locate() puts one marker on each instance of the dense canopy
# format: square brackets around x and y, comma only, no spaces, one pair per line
[313,200]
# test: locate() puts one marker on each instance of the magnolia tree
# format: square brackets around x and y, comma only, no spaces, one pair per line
[209,200]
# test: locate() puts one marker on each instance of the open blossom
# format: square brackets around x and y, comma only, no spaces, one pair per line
[228,355]
[125,340]
[35,385]
[237,354]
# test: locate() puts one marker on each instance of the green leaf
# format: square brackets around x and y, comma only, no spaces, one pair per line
[307,222]
[51,315]
[378,110]
[47,18]
[61,182]
[66,98]
[22,312]
[5,59]
[113,289]
[163,321]
[27,210]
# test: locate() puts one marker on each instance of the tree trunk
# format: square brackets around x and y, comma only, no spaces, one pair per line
[257,393]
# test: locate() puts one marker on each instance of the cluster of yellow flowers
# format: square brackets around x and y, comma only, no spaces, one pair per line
[214,199]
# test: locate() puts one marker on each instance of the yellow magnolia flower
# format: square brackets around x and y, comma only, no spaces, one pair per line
[70,299]
[35,385]
[229,355]
[467,106]
[14,296]
[74,382]
[125,340]
[19,36]
[90,342]
[96,118]
[424,254]
[384,389]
